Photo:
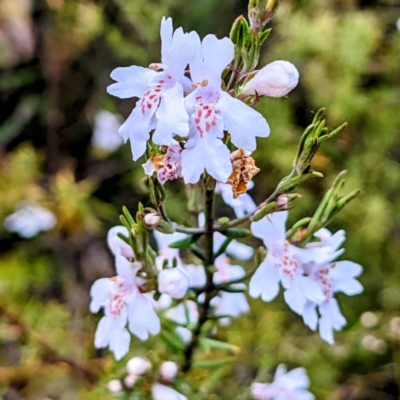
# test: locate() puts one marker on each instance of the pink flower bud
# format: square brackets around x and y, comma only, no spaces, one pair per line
[173,281]
[137,366]
[276,79]
[152,220]
[168,370]
[115,386]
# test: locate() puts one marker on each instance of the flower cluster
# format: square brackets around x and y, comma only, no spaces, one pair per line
[309,275]
[190,105]
[139,368]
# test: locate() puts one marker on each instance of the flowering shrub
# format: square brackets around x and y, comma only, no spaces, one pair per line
[195,121]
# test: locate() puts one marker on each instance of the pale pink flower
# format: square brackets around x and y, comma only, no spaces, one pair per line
[211,111]
[161,93]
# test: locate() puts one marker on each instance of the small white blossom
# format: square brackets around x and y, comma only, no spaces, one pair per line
[211,111]
[130,381]
[29,219]
[169,370]
[331,278]
[284,264]
[115,386]
[174,282]
[162,392]
[105,131]
[161,102]
[138,366]
[242,205]
[291,385]
[276,79]
[123,303]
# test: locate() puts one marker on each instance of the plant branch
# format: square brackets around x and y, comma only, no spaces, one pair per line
[209,289]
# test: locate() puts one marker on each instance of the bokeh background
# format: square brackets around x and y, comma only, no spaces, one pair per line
[55,61]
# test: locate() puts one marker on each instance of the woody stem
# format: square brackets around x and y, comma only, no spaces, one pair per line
[209,288]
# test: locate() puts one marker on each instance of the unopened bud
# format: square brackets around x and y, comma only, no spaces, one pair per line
[137,366]
[152,220]
[261,12]
[115,386]
[174,282]
[168,370]
[276,79]
[130,381]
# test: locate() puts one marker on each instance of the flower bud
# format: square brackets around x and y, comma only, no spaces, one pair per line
[276,79]
[115,386]
[261,12]
[168,371]
[130,381]
[152,220]
[137,366]
[173,281]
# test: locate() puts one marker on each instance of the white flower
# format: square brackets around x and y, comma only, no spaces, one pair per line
[242,205]
[161,392]
[115,386]
[332,278]
[174,282]
[29,219]
[168,167]
[138,366]
[276,79]
[105,131]
[116,244]
[211,111]
[291,385]
[284,264]
[169,370]
[122,302]
[161,104]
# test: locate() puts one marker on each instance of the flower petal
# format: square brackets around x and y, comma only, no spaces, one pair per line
[137,129]
[206,153]
[131,81]
[310,316]
[119,343]
[100,292]
[242,122]
[217,54]
[295,298]
[271,229]
[172,117]
[265,281]
[103,333]
[142,317]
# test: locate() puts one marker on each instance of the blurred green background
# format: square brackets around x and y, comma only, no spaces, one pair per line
[55,61]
